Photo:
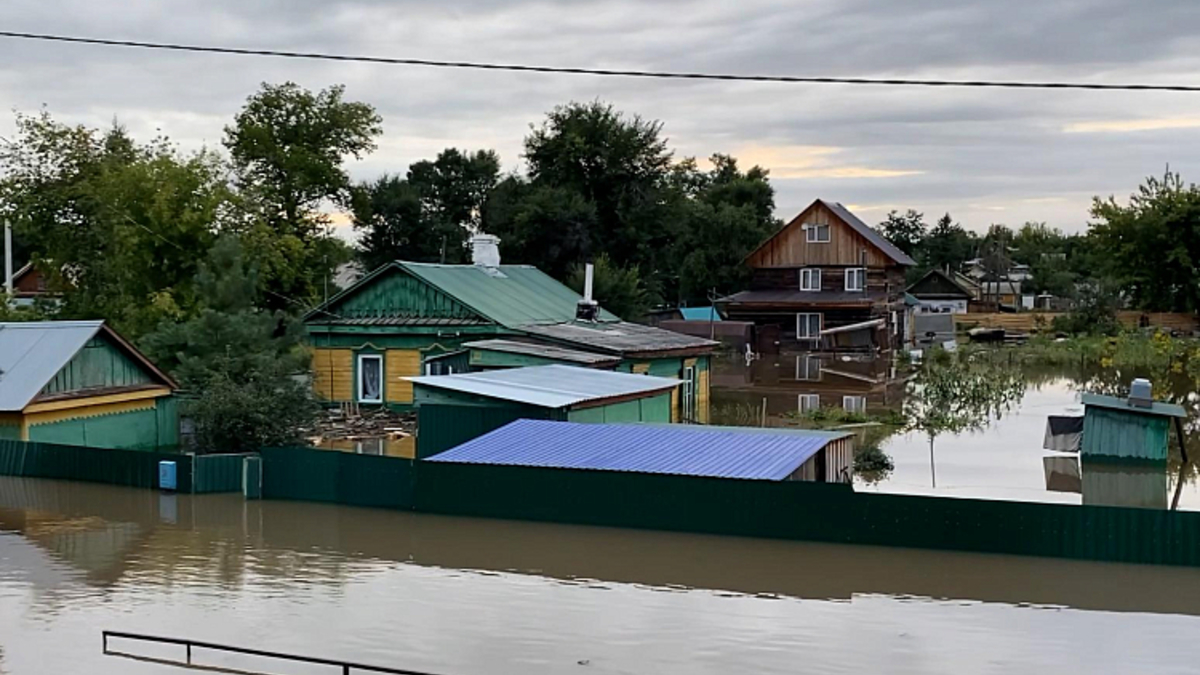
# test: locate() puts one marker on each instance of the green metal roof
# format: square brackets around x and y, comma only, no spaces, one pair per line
[510,295]
[1158,408]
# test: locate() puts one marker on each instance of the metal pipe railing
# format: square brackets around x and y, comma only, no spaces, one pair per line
[345,666]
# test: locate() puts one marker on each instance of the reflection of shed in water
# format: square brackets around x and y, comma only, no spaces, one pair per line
[1142,486]
[701,451]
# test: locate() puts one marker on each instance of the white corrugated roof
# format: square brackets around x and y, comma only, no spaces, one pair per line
[32,353]
[549,386]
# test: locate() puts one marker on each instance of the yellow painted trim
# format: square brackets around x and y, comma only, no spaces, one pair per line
[52,416]
[67,404]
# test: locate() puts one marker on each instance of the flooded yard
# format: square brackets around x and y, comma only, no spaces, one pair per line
[1003,460]
[465,596]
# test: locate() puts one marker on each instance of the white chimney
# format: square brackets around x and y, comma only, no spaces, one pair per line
[588,274]
[485,250]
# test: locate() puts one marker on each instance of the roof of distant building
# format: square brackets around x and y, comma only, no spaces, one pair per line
[699,314]
[687,450]
[544,351]
[555,386]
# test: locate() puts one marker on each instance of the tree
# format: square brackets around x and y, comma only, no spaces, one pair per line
[239,362]
[548,227]
[1152,244]
[453,190]
[946,247]
[116,226]
[288,146]
[952,393]
[617,289]
[618,165]
[906,230]
[387,215]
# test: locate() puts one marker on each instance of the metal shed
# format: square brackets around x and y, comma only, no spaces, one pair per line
[452,409]
[1133,429]
[717,452]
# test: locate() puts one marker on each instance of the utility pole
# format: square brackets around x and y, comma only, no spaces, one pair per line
[8,259]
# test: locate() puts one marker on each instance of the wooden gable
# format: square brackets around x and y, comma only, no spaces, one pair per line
[394,293]
[936,284]
[790,246]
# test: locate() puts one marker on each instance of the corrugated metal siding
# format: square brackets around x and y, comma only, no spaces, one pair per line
[131,468]
[444,426]
[721,453]
[1111,433]
[218,473]
[328,476]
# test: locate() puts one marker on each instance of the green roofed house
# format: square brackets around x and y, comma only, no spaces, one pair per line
[453,409]
[408,319]
[79,383]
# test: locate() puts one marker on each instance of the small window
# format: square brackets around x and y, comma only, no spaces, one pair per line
[808,368]
[895,323]
[855,404]
[808,326]
[818,234]
[810,279]
[370,378]
[856,279]
[808,403]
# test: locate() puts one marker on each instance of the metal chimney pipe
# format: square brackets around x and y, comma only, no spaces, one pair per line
[8,259]
[588,275]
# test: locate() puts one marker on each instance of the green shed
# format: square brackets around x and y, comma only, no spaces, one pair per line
[453,409]
[1136,428]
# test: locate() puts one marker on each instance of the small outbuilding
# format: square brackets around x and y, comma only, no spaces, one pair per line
[452,409]
[681,450]
[79,383]
[1136,428]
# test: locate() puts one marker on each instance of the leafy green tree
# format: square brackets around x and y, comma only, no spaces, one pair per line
[387,215]
[238,362]
[116,226]
[453,190]
[906,230]
[548,227]
[946,246]
[288,147]
[617,289]
[1152,244]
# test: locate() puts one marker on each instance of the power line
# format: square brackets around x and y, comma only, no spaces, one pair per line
[652,74]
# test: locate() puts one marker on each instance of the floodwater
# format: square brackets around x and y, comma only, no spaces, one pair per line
[465,596]
[1005,460]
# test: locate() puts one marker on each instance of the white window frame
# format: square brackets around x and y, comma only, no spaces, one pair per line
[855,404]
[808,402]
[801,319]
[363,358]
[689,394]
[813,232]
[854,273]
[811,363]
[813,276]
[895,323]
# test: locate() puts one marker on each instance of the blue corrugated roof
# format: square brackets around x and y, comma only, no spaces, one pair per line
[720,452]
[699,314]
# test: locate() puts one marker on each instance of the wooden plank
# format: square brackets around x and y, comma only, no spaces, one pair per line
[702,398]
[790,247]
[1035,321]
[399,364]
[333,374]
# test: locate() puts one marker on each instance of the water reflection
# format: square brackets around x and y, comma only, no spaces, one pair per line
[1002,459]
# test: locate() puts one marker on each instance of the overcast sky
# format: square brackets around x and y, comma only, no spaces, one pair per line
[983,155]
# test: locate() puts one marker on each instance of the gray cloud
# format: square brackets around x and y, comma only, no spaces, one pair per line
[985,155]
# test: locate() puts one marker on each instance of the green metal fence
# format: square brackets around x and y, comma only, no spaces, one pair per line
[809,511]
[132,468]
[338,477]
[217,473]
[441,426]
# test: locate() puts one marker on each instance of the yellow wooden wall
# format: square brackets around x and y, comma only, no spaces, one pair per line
[333,374]
[702,401]
[640,368]
[675,405]
[397,365]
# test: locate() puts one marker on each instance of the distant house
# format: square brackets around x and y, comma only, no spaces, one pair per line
[79,383]
[940,293]
[407,319]
[29,284]
[826,280]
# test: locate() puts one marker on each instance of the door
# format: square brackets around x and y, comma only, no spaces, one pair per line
[767,339]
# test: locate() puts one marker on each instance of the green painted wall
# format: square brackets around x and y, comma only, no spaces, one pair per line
[587,415]
[488,359]
[148,429]
[1126,436]
[654,409]
[397,294]
[98,364]
[10,432]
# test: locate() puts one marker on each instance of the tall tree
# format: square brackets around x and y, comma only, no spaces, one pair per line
[905,230]
[617,289]
[548,227]
[289,146]
[946,246]
[453,190]
[1152,244]
[115,225]
[387,215]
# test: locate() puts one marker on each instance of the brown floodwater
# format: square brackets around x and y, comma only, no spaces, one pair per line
[468,596]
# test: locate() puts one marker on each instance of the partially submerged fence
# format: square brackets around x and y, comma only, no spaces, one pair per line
[337,477]
[1027,322]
